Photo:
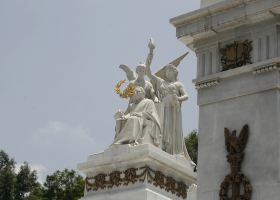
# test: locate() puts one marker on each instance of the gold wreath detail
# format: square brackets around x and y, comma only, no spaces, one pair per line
[128,91]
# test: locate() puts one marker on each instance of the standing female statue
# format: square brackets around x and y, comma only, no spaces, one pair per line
[171,94]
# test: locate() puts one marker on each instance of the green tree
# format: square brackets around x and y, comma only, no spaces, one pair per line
[17,186]
[7,177]
[192,145]
[36,193]
[23,185]
[26,181]
[64,185]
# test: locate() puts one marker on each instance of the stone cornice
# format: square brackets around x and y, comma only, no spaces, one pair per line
[266,68]
[255,69]
[206,12]
[207,83]
[134,156]
[226,15]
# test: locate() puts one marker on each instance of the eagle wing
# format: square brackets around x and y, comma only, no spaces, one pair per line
[228,138]
[243,137]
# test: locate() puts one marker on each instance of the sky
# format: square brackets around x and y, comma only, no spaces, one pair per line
[59,65]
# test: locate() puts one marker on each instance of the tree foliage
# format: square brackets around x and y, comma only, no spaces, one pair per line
[26,181]
[16,186]
[7,177]
[23,185]
[192,145]
[64,185]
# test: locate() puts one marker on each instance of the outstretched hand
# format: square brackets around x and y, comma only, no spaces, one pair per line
[119,115]
[151,44]
[136,114]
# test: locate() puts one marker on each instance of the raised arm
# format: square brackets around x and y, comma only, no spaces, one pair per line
[149,61]
[150,75]
[150,56]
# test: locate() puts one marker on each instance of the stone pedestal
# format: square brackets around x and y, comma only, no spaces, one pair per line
[248,94]
[142,172]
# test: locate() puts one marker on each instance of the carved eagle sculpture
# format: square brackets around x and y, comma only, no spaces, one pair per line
[236,144]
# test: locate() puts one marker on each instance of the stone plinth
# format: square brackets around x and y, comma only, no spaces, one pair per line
[142,172]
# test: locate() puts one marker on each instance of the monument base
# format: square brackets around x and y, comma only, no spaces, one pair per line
[142,172]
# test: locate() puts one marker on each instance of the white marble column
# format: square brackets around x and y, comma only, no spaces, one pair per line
[244,95]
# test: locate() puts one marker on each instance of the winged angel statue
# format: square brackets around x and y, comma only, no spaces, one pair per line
[166,93]
[141,72]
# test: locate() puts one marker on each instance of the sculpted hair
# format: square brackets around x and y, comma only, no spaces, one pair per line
[143,66]
[173,68]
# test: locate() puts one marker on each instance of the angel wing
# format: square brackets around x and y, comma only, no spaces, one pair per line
[161,72]
[243,137]
[228,138]
[129,72]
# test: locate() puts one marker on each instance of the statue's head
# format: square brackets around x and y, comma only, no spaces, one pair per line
[171,72]
[139,94]
[141,70]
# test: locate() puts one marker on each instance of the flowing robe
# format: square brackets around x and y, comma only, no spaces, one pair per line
[147,86]
[133,127]
[171,118]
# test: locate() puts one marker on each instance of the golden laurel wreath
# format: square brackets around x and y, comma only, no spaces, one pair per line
[128,91]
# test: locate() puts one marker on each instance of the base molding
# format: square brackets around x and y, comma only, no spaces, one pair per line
[142,172]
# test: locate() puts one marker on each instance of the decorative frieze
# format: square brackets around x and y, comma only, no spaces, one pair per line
[205,84]
[236,54]
[263,69]
[134,175]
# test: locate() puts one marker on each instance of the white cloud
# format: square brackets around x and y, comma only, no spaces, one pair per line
[41,171]
[56,130]
[59,145]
